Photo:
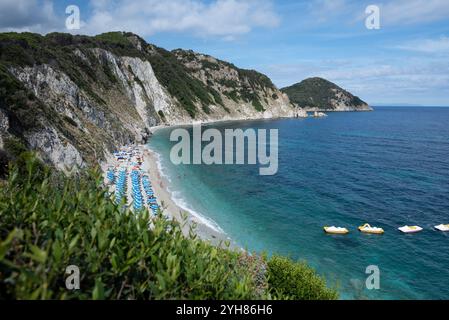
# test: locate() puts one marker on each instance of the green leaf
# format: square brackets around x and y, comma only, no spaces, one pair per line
[111,245]
[38,254]
[98,292]
[6,244]
[74,242]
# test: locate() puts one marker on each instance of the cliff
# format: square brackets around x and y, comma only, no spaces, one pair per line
[73,98]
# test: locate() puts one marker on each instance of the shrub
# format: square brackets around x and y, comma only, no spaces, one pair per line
[4,160]
[175,77]
[162,115]
[297,281]
[70,121]
[50,221]
[48,224]
[114,38]
[14,146]
[257,105]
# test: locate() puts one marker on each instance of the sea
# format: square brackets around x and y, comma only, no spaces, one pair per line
[389,168]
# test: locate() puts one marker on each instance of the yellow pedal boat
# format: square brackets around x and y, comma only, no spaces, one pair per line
[442,227]
[366,228]
[410,229]
[335,230]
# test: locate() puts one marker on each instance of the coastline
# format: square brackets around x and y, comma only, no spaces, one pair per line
[187,218]
[169,205]
[165,198]
[208,122]
[161,185]
[175,211]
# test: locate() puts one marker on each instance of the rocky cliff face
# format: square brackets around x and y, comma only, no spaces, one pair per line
[73,98]
[317,94]
[239,94]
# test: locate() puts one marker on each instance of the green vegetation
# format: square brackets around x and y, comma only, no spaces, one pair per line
[4,160]
[206,64]
[50,221]
[174,76]
[245,87]
[45,229]
[231,84]
[19,104]
[178,81]
[162,115]
[258,105]
[254,78]
[297,281]
[114,38]
[14,147]
[72,55]
[57,49]
[317,93]
[232,95]
[70,121]
[217,98]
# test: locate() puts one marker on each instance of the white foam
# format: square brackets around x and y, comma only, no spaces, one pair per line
[198,217]
[162,170]
[180,201]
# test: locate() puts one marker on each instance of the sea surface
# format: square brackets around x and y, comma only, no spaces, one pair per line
[389,168]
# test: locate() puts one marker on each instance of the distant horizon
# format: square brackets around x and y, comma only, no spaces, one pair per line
[406,106]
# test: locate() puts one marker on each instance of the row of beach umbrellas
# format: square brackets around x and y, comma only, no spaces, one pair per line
[136,192]
[120,189]
[151,200]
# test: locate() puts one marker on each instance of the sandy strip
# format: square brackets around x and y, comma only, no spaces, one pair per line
[171,209]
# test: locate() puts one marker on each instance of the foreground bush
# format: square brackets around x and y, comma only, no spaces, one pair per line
[297,281]
[49,222]
[44,229]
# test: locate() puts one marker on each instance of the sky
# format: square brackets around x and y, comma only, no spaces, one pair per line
[403,62]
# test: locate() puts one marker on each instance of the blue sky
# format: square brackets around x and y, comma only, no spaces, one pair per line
[403,62]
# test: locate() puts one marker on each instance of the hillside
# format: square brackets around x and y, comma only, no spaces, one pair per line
[317,94]
[73,98]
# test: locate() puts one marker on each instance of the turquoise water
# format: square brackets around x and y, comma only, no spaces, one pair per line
[388,168]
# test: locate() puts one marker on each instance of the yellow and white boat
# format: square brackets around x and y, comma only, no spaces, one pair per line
[366,228]
[442,227]
[335,230]
[410,229]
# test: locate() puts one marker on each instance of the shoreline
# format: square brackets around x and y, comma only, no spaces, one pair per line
[175,211]
[165,198]
[209,122]
[169,206]
[160,185]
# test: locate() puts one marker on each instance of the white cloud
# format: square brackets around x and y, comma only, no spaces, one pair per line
[392,13]
[221,18]
[434,46]
[28,15]
[414,80]
[226,19]
[408,12]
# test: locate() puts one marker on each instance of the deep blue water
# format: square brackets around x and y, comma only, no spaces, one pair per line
[389,168]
